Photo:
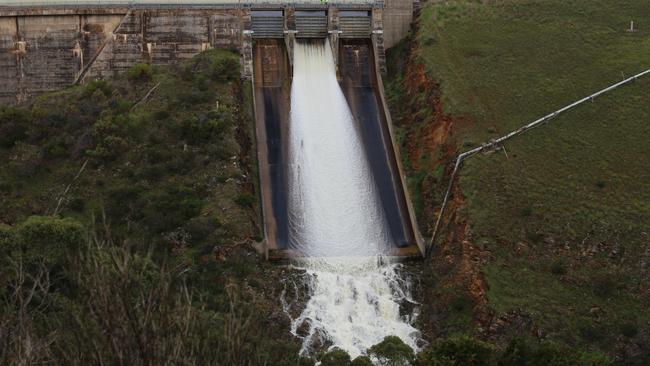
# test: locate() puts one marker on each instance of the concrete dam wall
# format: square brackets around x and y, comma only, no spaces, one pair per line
[47,49]
[45,46]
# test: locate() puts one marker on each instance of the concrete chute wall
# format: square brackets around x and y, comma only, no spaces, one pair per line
[361,84]
[272,88]
[358,79]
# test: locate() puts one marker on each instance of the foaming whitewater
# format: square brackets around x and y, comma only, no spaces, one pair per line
[336,219]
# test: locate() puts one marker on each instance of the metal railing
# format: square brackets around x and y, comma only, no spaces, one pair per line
[492,144]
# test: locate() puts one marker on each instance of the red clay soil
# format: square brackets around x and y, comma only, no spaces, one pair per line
[432,135]
[429,131]
[466,265]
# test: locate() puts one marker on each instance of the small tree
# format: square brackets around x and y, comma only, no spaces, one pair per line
[335,357]
[462,351]
[361,361]
[139,72]
[50,238]
[392,352]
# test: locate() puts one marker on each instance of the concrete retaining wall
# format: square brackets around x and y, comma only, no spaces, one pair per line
[167,36]
[42,53]
[44,49]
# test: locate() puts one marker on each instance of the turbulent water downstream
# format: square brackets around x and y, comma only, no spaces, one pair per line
[336,218]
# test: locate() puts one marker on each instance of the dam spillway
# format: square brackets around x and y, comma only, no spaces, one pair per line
[357,77]
[336,216]
[334,204]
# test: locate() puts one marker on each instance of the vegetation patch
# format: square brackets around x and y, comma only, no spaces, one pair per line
[127,214]
[558,212]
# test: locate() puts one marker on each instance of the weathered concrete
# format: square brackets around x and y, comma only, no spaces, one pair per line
[168,36]
[397,20]
[46,48]
[46,52]
[272,80]
[362,85]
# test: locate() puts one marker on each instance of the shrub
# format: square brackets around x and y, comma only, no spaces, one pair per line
[558,268]
[593,359]
[201,83]
[109,149]
[335,357]
[95,85]
[460,303]
[188,97]
[604,286]
[139,72]
[7,239]
[199,132]
[629,330]
[226,69]
[361,361]
[461,351]
[56,147]
[28,159]
[392,351]
[77,204]
[535,237]
[518,352]
[245,199]
[201,227]
[551,354]
[124,202]
[161,115]
[13,126]
[171,208]
[50,237]
[527,211]
[591,331]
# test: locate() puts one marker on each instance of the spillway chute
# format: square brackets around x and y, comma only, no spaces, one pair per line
[336,218]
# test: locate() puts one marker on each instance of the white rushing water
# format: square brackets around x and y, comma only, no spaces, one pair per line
[336,218]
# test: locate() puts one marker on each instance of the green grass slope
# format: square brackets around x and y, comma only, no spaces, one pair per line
[562,214]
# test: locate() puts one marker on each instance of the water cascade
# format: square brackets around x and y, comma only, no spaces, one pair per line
[336,219]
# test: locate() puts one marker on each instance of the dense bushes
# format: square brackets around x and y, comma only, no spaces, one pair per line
[195,131]
[156,179]
[140,72]
[103,86]
[170,208]
[463,351]
[120,307]
[49,238]
[226,69]
[466,351]
[13,125]
[183,135]
[335,357]
[392,352]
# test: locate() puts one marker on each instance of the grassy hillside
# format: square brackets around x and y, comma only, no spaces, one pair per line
[560,216]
